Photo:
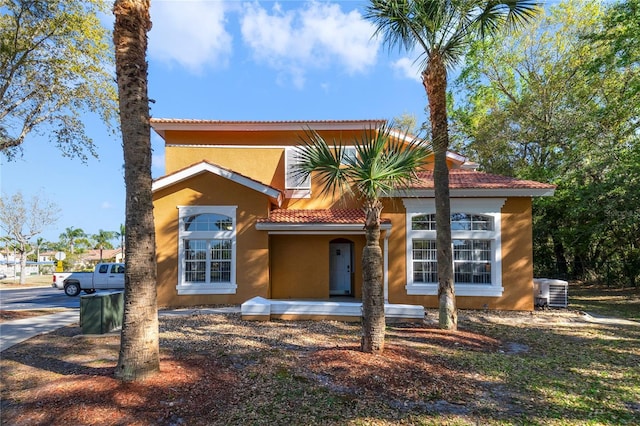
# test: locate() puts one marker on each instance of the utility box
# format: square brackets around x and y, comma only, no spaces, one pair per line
[550,292]
[101,313]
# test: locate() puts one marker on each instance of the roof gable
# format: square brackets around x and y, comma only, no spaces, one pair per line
[207,167]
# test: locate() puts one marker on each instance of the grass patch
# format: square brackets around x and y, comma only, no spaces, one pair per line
[608,301]
[31,281]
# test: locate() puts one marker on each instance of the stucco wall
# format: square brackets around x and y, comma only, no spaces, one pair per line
[300,265]
[251,245]
[517,262]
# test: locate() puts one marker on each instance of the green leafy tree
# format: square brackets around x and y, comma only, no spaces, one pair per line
[102,240]
[441,31]
[139,344]
[546,103]
[382,164]
[22,220]
[55,63]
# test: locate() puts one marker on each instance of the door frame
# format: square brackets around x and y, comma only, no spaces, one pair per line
[350,245]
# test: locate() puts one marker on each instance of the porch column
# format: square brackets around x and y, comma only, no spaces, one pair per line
[385,263]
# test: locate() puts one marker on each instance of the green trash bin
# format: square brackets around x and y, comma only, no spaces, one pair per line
[101,313]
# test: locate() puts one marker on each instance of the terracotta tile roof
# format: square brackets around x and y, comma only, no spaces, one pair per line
[470,179]
[94,254]
[328,216]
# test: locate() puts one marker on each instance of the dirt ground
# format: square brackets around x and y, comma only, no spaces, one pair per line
[211,365]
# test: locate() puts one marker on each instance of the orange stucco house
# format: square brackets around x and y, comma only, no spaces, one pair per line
[233,224]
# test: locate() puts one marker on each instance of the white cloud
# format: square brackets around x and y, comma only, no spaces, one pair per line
[407,68]
[106,205]
[316,36]
[190,33]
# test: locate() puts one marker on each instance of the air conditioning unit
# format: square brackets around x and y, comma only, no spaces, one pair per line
[550,292]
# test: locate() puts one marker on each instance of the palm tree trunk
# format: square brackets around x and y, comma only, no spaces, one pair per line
[434,79]
[373,321]
[139,345]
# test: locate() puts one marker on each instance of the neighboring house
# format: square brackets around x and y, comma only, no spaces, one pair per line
[47,256]
[93,256]
[233,223]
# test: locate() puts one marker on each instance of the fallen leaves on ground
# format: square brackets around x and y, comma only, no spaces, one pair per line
[212,364]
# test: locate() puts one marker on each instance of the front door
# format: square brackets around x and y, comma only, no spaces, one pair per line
[340,266]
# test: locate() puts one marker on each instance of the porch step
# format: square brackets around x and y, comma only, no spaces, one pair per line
[262,309]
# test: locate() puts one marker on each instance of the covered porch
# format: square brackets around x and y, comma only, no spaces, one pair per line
[261,309]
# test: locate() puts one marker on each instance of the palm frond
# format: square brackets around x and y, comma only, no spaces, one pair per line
[444,26]
[513,14]
[385,161]
[316,155]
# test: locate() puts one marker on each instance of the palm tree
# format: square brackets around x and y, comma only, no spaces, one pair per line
[442,31]
[121,235]
[103,240]
[40,242]
[71,236]
[139,343]
[382,164]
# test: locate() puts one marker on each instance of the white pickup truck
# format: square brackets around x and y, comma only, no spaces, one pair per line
[106,276]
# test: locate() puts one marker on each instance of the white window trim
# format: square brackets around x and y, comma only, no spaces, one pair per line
[488,207]
[300,191]
[185,288]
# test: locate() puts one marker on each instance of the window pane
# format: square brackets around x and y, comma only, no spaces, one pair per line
[220,261]
[294,179]
[349,153]
[425,266]
[195,260]
[472,261]
[208,222]
[471,222]
[424,222]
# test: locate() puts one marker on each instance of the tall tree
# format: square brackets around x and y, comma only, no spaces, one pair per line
[102,240]
[559,101]
[54,66]
[23,220]
[71,236]
[40,242]
[382,164]
[442,30]
[139,347]
[121,234]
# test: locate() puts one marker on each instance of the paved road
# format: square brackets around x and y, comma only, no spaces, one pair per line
[36,298]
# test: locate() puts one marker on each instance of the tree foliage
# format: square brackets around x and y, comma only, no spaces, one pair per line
[559,102]
[383,163]
[22,220]
[74,237]
[442,32]
[55,64]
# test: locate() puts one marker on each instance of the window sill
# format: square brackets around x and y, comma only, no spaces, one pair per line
[460,289]
[297,193]
[186,289]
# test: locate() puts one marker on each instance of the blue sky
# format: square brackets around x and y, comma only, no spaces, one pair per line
[228,60]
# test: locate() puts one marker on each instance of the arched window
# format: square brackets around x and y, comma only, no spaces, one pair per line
[207,250]
[475,233]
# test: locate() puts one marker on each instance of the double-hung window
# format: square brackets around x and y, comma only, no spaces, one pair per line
[207,250]
[475,234]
